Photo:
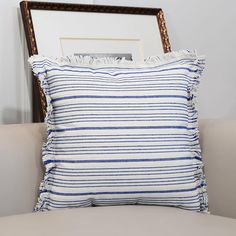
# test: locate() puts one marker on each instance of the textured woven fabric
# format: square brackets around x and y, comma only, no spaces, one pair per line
[121,133]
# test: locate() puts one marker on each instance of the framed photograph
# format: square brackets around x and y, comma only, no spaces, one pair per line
[62,29]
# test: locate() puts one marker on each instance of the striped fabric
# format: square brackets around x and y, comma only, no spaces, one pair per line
[121,133]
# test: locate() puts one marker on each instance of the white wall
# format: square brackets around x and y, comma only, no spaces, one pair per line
[207,26]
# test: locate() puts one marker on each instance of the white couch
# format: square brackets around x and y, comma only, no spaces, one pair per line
[21,171]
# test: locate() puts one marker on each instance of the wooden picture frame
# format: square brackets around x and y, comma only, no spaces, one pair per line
[39,101]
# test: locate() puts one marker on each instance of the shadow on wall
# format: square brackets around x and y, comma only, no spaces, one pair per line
[19,110]
[13,116]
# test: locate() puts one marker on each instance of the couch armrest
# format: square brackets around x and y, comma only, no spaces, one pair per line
[20,166]
[218,143]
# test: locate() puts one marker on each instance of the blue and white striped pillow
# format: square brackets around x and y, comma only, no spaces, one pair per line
[121,133]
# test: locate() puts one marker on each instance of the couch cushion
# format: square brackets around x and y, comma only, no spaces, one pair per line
[121,132]
[22,156]
[20,166]
[218,139]
[117,221]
